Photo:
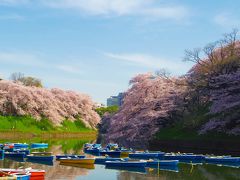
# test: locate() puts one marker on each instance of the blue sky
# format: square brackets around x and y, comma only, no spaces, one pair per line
[97,46]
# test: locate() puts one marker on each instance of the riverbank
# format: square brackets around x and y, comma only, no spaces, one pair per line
[18,135]
[216,147]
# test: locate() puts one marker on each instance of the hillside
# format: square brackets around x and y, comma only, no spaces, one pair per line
[55,105]
[202,104]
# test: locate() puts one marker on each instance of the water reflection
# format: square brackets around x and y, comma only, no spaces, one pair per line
[58,171]
[85,166]
[129,169]
[49,163]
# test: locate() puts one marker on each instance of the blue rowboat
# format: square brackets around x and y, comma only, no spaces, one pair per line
[126,163]
[26,151]
[188,158]
[220,160]
[103,160]
[39,145]
[69,156]
[20,146]
[160,163]
[111,153]
[40,158]
[14,175]
[88,145]
[1,154]
[145,155]
[20,155]
[93,151]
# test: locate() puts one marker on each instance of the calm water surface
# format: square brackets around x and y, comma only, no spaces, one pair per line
[56,171]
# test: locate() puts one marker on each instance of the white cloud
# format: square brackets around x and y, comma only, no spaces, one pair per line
[153,9]
[227,20]
[144,8]
[151,62]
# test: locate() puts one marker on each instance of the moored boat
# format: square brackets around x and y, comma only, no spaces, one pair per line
[39,145]
[40,156]
[184,157]
[93,151]
[103,160]
[20,155]
[160,163]
[126,163]
[26,151]
[59,156]
[77,160]
[35,174]
[226,159]
[146,155]
[14,175]
[20,145]
[1,154]
[111,153]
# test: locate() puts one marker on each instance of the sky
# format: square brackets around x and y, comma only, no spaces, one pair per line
[97,46]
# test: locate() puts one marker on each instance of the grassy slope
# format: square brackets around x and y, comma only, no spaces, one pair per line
[29,124]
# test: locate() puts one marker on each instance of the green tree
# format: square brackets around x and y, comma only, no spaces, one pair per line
[27,81]
[110,109]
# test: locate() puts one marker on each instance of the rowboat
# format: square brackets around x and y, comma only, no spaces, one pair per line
[111,153]
[78,160]
[160,163]
[41,156]
[39,145]
[146,155]
[126,163]
[20,155]
[103,160]
[93,151]
[59,156]
[20,145]
[112,146]
[220,160]
[35,174]
[26,151]
[42,153]
[1,154]
[8,147]
[14,175]
[184,157]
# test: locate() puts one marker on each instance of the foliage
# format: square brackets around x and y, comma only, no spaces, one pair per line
[146,107]
[110,109]
[54,104]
